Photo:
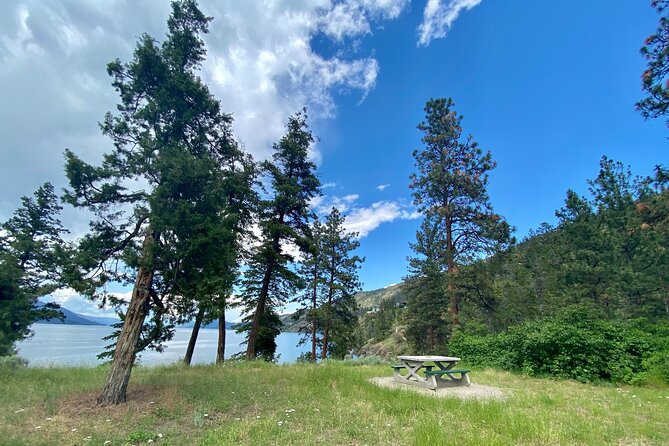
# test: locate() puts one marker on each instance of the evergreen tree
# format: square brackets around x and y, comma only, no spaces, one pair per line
[450,189]
[159,197]
[340,284]
[311,270]
[31,258]
[284,218]
[655,77]
[426,316]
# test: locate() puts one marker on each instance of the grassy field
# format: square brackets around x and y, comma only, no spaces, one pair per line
[331,404]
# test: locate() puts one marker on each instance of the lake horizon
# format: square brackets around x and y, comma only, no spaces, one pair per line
[56,345]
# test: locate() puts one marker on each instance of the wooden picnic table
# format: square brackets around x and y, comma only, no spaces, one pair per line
[443,376]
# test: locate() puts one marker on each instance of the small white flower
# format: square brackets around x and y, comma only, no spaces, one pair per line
[258,416]
[49,419]
[206,415]
[160,435]
[108,419]
[38,427]
[74,430]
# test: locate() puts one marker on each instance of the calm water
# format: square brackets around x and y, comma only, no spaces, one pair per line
[79,345]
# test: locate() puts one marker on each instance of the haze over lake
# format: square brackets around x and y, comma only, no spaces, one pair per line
[78,345]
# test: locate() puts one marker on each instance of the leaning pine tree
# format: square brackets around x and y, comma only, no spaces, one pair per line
[174,172]
[450,190]
[284,219]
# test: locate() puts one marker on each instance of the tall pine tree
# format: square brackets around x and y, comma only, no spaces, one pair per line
[450,190]
[283,219]
[174,172]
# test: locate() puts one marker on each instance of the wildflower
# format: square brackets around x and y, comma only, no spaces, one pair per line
[160,435]
[258,416]
[206,415]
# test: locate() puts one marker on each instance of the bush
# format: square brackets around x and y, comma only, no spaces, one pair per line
[12,362]
[576,345]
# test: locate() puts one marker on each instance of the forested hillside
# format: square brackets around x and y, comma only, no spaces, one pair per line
[602,271]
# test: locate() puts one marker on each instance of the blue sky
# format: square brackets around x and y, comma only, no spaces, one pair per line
[547,87]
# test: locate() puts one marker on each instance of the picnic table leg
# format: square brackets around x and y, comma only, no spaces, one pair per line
[452,381]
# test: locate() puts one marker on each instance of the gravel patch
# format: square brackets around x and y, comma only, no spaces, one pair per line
[473,392]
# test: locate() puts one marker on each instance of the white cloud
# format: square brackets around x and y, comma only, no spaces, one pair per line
[73,301]
[438,17]
[365,220]
[345,20]
[328,185]
[260,65]
[381,187]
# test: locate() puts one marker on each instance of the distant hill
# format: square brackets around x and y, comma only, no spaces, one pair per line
[370,299]
[367,300]
[71,318]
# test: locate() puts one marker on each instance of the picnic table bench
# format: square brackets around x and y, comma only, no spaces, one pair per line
[444,376]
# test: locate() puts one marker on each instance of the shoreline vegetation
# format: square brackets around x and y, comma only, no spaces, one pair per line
[254,402]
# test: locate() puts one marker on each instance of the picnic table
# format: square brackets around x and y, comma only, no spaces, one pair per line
[438,371]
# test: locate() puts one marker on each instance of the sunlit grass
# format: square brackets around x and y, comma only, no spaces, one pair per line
[334,403]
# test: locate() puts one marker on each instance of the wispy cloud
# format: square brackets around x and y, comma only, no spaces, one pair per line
[438,17]
[328,185]
[365,220]
[381,187]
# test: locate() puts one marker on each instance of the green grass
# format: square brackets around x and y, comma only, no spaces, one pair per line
[256,403]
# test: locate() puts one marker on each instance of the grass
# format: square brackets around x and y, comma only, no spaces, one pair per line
[256,403]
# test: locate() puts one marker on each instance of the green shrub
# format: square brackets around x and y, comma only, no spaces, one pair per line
[12,362]
[575,345]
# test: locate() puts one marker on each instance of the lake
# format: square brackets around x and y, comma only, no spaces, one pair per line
[78,345]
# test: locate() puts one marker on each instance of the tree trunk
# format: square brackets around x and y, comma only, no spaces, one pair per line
[326,331]
[450,271]
[193,336]
[116,386]
[314,303]
[260,310]
[220,349]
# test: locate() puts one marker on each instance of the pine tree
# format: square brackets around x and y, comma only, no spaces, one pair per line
[655,77]
[311,270]
[170,195]
[340,284]
[284,219]
[32,255]
[450,189]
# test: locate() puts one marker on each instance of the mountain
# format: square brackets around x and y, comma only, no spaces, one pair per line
[367,301]
[71,318]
